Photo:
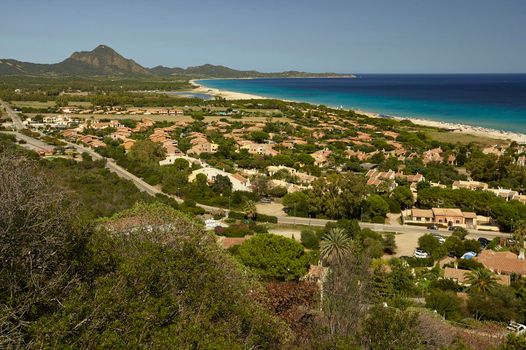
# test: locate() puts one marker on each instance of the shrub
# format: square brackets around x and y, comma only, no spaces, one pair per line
[310,239]
[266,218]
[446,303]
[418,262]
[446,284]
[236,230]
[274,257]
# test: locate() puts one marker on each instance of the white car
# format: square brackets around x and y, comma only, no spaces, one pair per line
[440,239]
[421,254]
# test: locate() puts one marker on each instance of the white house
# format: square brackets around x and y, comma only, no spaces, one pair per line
[239,183]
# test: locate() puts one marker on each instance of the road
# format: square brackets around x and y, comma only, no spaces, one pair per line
[32,143]
[17,122]
[291,220]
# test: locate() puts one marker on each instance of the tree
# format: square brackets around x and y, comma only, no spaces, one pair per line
[404,196]
[375,208]
[430,244]
[390,328]
[335,246]
[274,257]
[261,185]
[446,303]
[338,195]
[250,209]
[481,280]
[146,152]
[310,239]
[460,232]
[297,203]
[222,184]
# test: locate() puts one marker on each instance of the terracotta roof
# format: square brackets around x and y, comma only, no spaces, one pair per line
[470,215]
[447,211]
[460,276]
[502,262]
[422,213]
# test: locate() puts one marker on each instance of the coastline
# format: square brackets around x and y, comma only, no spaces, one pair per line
[452,127]
[227,95]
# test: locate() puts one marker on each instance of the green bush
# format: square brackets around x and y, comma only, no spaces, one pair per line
[274,257]
[419,262]
[236,230]
[266,218]
[310,239]
[446,303]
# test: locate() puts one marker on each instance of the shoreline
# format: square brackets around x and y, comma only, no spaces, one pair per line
[458,128]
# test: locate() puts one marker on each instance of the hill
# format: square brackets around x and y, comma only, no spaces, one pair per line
[104,61]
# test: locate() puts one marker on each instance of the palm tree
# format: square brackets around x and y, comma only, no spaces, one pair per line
[481,280]
[250,209]
[335,245]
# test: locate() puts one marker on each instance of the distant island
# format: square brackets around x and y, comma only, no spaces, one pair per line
[104,61]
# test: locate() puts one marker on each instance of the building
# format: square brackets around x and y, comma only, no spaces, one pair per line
[443,216]
[469,185]
[321,157]
[461,276]
[239,183]
[202,145]
[502,262]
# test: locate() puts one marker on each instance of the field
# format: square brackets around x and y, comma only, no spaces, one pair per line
[450,137]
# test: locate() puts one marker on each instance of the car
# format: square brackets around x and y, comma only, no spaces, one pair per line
[266,200]
[483,242]
[439,238]
[420,253]
[432,227]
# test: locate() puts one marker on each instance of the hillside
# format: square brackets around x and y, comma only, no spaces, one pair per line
[104,61]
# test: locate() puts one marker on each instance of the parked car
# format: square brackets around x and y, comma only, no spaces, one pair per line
[483,242]
[266,200]
[432,227]
[518,328]
[420,253]
[440,239]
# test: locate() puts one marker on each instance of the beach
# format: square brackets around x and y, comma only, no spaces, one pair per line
[453,127]
[457,127]
[227,95]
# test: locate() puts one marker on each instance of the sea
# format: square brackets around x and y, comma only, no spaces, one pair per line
[493,101]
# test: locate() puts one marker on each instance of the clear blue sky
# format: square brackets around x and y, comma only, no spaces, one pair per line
[367,36]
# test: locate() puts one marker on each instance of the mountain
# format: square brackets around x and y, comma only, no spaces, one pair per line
[104,61]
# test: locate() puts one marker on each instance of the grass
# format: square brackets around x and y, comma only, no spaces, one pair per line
[37,104]
[450,137]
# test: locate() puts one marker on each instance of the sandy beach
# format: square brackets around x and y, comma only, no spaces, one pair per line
[227,95]
[453,127]
[458,128]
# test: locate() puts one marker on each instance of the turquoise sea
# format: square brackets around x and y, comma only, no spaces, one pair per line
[495,101]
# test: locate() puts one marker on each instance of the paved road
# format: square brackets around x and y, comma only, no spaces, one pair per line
[419,230]
[17,122]
[34,144]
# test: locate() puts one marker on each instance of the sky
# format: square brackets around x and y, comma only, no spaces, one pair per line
[344,36]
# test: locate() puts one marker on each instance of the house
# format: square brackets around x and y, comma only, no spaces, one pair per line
[433,155]
[502,262]
[239,183]
[260,148]
[469,185]
[443,216]
[273,169]
[504,193]
[321,157]
[170,159]
[460,276]
[202,145]
[128,144]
